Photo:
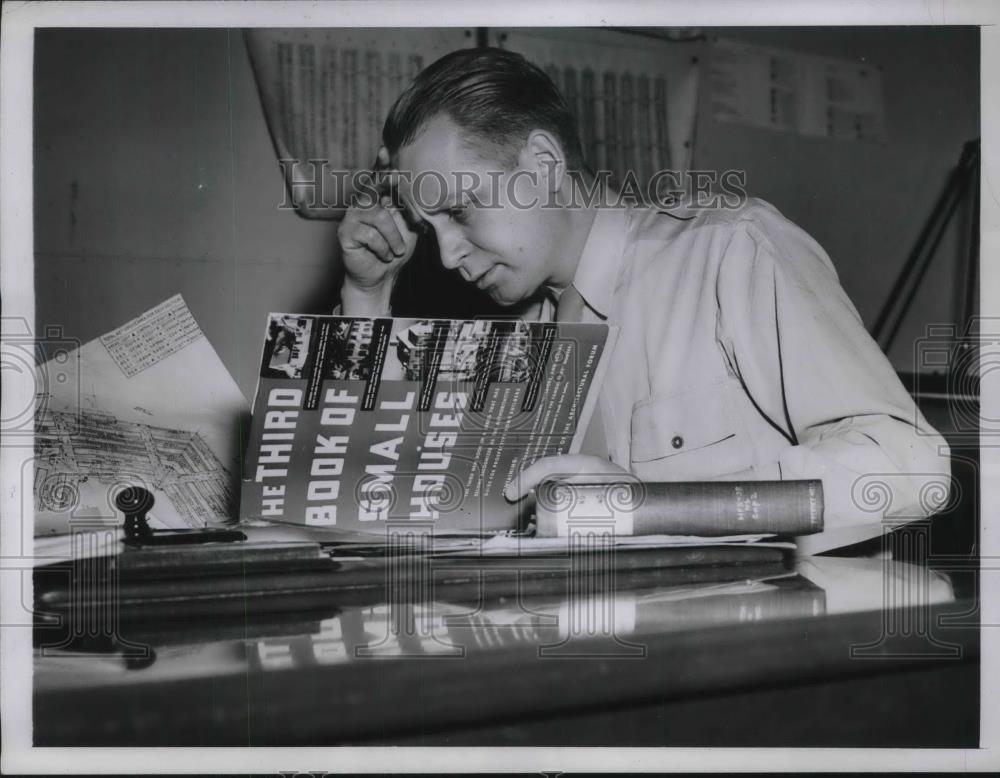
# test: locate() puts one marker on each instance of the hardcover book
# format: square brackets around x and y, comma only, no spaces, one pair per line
[364,423]
[702,508]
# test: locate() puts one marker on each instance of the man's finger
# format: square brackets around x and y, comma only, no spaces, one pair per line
[391,229]
[386,180]
[366,190]
[408,234]
[566,467]
[535,473]
[381,219]
[373,240]
[364,198]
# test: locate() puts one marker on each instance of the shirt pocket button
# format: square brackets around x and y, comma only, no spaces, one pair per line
[677,441]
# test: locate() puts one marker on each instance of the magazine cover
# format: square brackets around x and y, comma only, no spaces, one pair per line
[364,424]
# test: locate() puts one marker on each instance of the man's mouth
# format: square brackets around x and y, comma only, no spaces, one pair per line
[482,280]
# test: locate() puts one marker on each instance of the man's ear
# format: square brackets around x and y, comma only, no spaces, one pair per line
[543,153]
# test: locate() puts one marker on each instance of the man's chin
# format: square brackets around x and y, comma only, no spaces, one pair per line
[501,298]
[517,303]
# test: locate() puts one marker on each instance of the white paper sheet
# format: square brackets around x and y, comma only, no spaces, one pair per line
[149,404]
[761,86]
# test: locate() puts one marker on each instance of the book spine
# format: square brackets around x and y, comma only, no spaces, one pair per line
[704,508]
[731,507]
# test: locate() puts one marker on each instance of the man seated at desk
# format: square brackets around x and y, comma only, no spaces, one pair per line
[739,355]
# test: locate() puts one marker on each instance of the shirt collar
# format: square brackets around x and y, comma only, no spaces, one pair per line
[598,266]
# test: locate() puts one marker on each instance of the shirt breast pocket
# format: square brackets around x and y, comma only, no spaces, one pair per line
[689,435]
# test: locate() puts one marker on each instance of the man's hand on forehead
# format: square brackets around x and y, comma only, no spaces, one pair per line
[374,185]
[385,182]
[375,240]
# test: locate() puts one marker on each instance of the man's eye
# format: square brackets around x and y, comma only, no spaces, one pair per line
[460,215]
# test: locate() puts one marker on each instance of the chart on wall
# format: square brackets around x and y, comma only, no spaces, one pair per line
[790,91]
[325,93]
[634,96]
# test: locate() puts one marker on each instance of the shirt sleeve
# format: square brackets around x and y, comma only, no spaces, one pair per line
[803,355]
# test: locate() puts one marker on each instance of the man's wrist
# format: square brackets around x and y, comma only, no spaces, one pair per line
[365,301]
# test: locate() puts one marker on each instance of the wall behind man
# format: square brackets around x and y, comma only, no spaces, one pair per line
[155,174]
[866,202]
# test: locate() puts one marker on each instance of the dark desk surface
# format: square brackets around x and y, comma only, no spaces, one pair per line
[834,652]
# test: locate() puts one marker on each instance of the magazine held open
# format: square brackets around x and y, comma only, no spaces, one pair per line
[370,424]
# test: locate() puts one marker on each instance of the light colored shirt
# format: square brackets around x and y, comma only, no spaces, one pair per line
[739,356]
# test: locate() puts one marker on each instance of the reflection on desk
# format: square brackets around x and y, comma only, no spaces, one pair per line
[466,667]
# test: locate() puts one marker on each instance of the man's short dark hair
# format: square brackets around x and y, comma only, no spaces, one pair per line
[496,96]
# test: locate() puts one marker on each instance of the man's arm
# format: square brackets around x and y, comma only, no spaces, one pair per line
[800,349]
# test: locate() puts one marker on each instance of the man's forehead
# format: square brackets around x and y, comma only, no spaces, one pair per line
[439,143]
[429,184]
[432,190]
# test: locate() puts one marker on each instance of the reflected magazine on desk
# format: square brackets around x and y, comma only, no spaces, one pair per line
[360,424]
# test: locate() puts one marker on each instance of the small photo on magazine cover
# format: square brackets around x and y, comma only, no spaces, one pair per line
[464,350]
[349,356]
[511,359]
[287,347]
[412,346]
[515,356]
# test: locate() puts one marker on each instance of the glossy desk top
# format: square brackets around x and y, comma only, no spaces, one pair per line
[448,656]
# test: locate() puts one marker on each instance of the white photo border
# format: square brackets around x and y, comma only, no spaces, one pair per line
[16,276]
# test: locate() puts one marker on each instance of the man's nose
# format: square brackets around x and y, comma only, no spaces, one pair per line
[453,247]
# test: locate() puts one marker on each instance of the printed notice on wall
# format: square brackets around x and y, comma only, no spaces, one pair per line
[785,90]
